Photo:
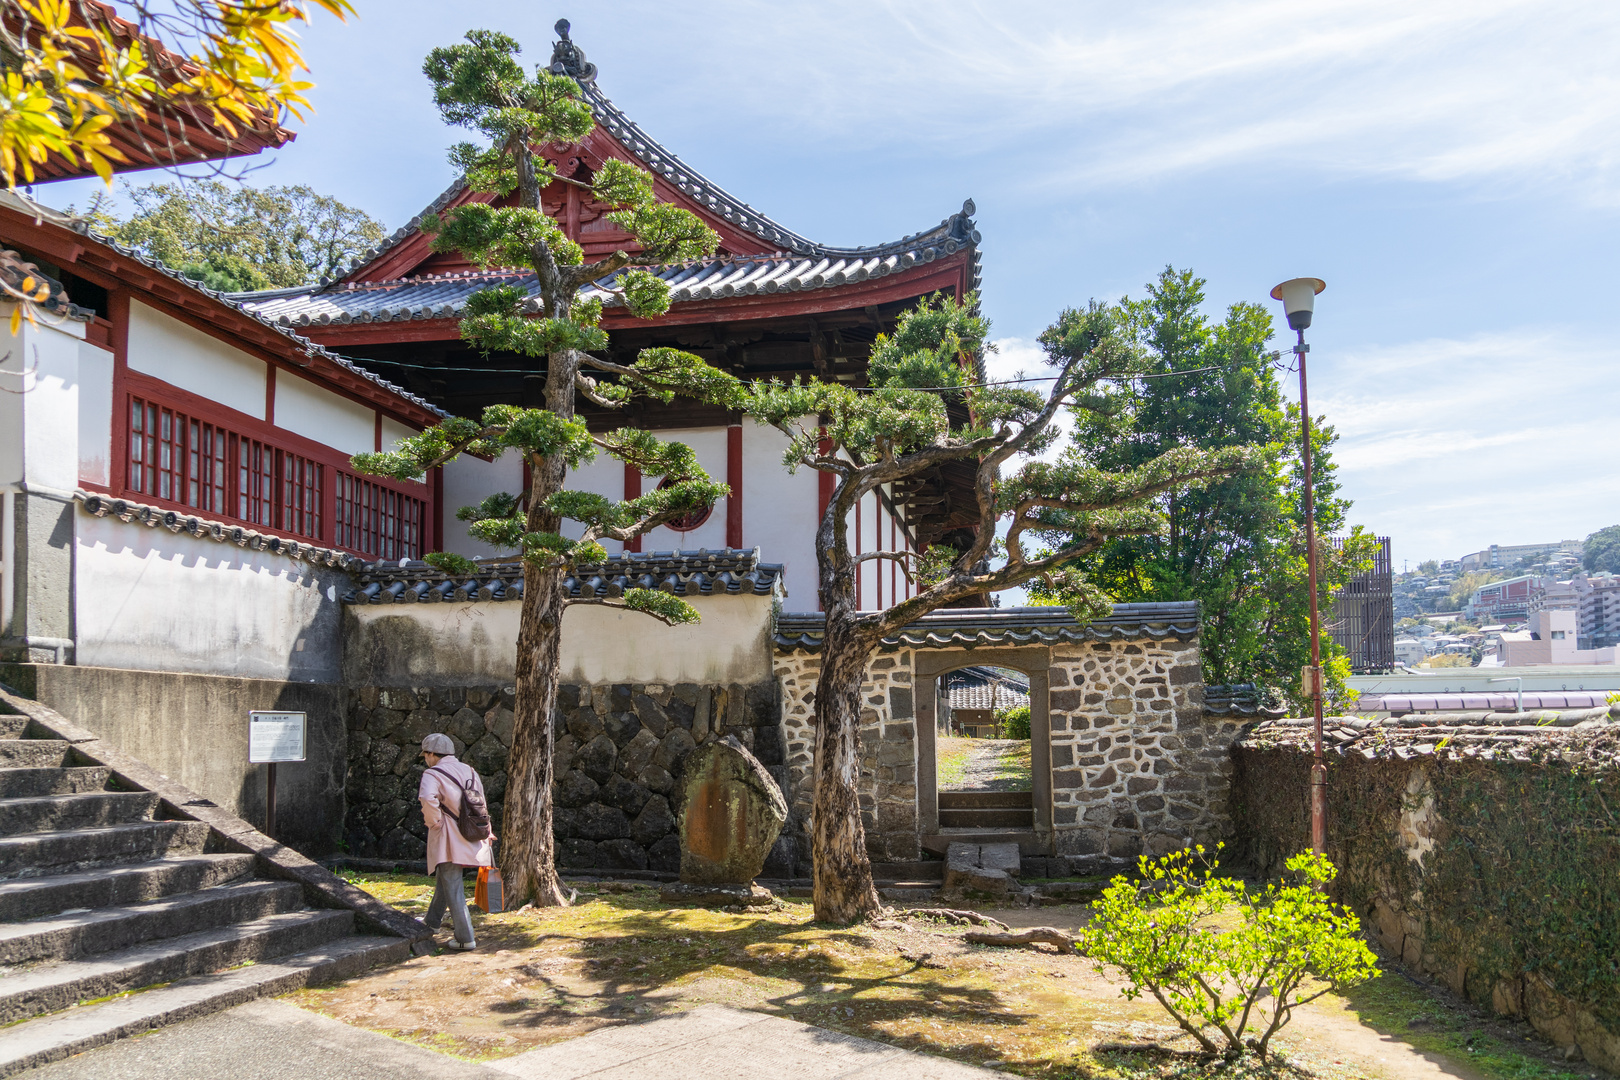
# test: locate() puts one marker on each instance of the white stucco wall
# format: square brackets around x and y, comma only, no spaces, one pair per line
[779,513]
[170,350]
[160,601]
[317,413]
[710,446]
[470,643]
[39,402]
[393,431]
[95,413]
[467,480]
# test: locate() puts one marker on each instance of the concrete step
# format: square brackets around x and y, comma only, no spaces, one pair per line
[1028,843]
[50,987]
[54,813]
[919,870]
[38,854]
[32,898]
[986,800]
[107,928]
[26,783]
[51,1038]
[987,819]
[32,753]
[12,725]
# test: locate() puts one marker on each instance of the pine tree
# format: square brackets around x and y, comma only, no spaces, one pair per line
[900,427]
[482,86]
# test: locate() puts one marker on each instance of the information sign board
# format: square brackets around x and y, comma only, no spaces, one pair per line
[276,736]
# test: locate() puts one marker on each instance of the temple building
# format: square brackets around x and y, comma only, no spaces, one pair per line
[769,303]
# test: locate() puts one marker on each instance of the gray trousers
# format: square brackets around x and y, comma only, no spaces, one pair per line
[450,892]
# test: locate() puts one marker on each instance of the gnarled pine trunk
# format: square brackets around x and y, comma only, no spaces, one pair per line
[844,892]
[528,850]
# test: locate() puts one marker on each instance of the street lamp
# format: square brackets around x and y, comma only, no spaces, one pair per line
[1298,296]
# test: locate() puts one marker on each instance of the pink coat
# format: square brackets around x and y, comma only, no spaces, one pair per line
[445,843]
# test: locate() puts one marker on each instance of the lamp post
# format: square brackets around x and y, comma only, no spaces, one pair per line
[1298,297]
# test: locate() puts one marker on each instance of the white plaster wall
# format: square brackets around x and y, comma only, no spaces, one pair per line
[393,431]
[474,642]
[467,480]
[603,476]
[317,413]
[710,446]
[95,414]
[160,601]
[779,513]
[39,403]
[170,350]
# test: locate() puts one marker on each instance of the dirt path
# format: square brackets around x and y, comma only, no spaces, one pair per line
[989,764]
[623,956]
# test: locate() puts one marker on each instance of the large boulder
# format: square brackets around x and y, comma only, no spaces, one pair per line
[731,813]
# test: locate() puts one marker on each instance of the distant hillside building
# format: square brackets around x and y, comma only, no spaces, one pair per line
[1503,601]
[1598,611]
[1502,556]
[1551,639]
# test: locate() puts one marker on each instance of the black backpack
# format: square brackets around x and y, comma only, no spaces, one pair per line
[473,821]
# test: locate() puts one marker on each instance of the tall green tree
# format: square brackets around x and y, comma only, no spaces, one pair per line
[1601,552]
[238,238]
[481,85]
[900,427]
[1236,545]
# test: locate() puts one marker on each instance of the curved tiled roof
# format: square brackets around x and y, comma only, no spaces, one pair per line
[444,296]
[799,263]
[1590,734]
[681,573]
[303,344]
[960,628]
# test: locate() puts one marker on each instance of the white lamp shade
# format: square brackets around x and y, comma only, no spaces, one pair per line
[1298,296]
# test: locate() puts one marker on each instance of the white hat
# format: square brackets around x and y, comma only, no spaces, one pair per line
[438,743]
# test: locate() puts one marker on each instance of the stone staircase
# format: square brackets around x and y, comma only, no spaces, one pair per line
[986,810]
[118,915]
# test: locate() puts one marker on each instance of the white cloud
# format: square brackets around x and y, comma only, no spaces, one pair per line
[1109,94]
[1449,445]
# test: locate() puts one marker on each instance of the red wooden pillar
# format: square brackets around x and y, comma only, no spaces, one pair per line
[824,482]
[734,479]
[632,490]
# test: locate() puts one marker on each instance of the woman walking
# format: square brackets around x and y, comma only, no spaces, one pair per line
[452,792]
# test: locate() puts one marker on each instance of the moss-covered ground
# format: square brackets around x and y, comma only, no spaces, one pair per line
[622,954]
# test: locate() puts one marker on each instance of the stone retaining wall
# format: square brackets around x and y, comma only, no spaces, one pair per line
[620,748]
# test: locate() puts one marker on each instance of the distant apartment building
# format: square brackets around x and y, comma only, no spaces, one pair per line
[1501,556]
[1550,639]
[1553,595]
[1503,601]
[1598,610]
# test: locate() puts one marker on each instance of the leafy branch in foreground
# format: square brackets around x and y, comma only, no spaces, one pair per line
[1290,946]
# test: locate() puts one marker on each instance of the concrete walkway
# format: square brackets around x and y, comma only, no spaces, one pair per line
[271,1040]
[717,1043]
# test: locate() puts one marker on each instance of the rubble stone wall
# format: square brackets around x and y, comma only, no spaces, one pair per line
[1137,766]
[619,752]
[888,788]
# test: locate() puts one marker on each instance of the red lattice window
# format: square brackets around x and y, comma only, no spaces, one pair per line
[377,521]
[300,494]
[256,482]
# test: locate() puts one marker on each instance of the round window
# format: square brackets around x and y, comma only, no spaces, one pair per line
[691,520]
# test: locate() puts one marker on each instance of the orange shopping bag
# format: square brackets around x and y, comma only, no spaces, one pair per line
[489,893]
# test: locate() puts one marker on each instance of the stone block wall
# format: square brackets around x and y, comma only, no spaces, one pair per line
[888,787]
[1136,764]
[619,751]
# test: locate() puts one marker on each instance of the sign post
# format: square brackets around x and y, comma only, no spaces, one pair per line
[274,737]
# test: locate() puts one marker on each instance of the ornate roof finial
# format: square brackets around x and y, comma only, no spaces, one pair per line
[569,59]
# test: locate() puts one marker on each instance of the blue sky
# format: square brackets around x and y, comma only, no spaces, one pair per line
[1451,169]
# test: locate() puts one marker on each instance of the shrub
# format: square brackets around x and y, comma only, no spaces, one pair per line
[1216,983]
[1014,722]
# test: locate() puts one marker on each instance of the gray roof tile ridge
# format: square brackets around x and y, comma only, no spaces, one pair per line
[966,627]
[211,529]
[702,571]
